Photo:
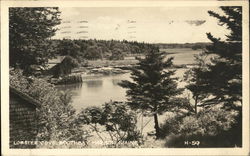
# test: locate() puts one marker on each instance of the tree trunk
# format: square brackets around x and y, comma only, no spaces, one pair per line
[195,104]
[157,128]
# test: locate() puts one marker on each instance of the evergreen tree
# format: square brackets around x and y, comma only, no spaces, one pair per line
[153,88]
[223,79]
[224,75]
[194,79]
[30,29]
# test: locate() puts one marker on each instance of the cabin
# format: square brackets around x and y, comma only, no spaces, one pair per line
[22,119]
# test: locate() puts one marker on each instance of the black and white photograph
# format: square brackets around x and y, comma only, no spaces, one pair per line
[126,77]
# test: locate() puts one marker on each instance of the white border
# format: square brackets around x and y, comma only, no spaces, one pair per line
[145,151]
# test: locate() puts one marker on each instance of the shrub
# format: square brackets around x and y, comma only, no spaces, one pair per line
[118,120]
[171,124]
[56,117]
[190,125]
[211,127]
[65,67]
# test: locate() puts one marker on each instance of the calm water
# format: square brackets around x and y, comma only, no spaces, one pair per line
[182,55]
[98,90]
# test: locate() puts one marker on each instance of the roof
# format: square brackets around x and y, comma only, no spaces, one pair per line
[25,97]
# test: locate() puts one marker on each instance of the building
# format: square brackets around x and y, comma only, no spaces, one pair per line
[23,121]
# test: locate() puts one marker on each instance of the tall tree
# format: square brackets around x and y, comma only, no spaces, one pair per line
[153,88]
[194,79]
[29,29]
[224,75]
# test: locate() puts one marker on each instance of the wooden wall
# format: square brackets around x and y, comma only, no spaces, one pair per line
[23,124]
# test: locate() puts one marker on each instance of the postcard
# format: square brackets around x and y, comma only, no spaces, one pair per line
[125,77]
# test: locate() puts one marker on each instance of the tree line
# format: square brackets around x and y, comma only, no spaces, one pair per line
[31,44]
[194,46]
[215,117]
[98,49]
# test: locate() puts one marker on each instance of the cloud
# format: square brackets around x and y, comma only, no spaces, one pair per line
[149,24]
[195,22]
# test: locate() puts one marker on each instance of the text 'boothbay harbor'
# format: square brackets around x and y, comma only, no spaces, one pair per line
[146,77]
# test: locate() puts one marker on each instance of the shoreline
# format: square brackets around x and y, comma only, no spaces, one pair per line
[83,73]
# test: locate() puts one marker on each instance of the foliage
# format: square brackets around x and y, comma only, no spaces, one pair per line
[117,118]
[195,80]
[153,88]
[197,46]
[65,67]
[68,48]
[98,49]
[30,29]
[215,82]
[93,53]
[172,124]
[224,76]
[117,55]
[210,122]
[56,117]
[194,46]
[212,127]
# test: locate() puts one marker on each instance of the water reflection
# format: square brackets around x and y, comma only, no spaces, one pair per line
[116,81]
[94,83]
[71,87]
[97,90]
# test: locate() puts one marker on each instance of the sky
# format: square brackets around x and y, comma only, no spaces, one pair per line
[143,24]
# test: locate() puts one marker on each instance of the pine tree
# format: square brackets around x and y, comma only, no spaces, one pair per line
[224,75]
[30,29]
[194,79]
[223,79]
[153,89]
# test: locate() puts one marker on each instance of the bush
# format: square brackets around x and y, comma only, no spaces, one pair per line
[171,124]
[211,127]
[118,120]
[190,125]
[65,67]
[56,117]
